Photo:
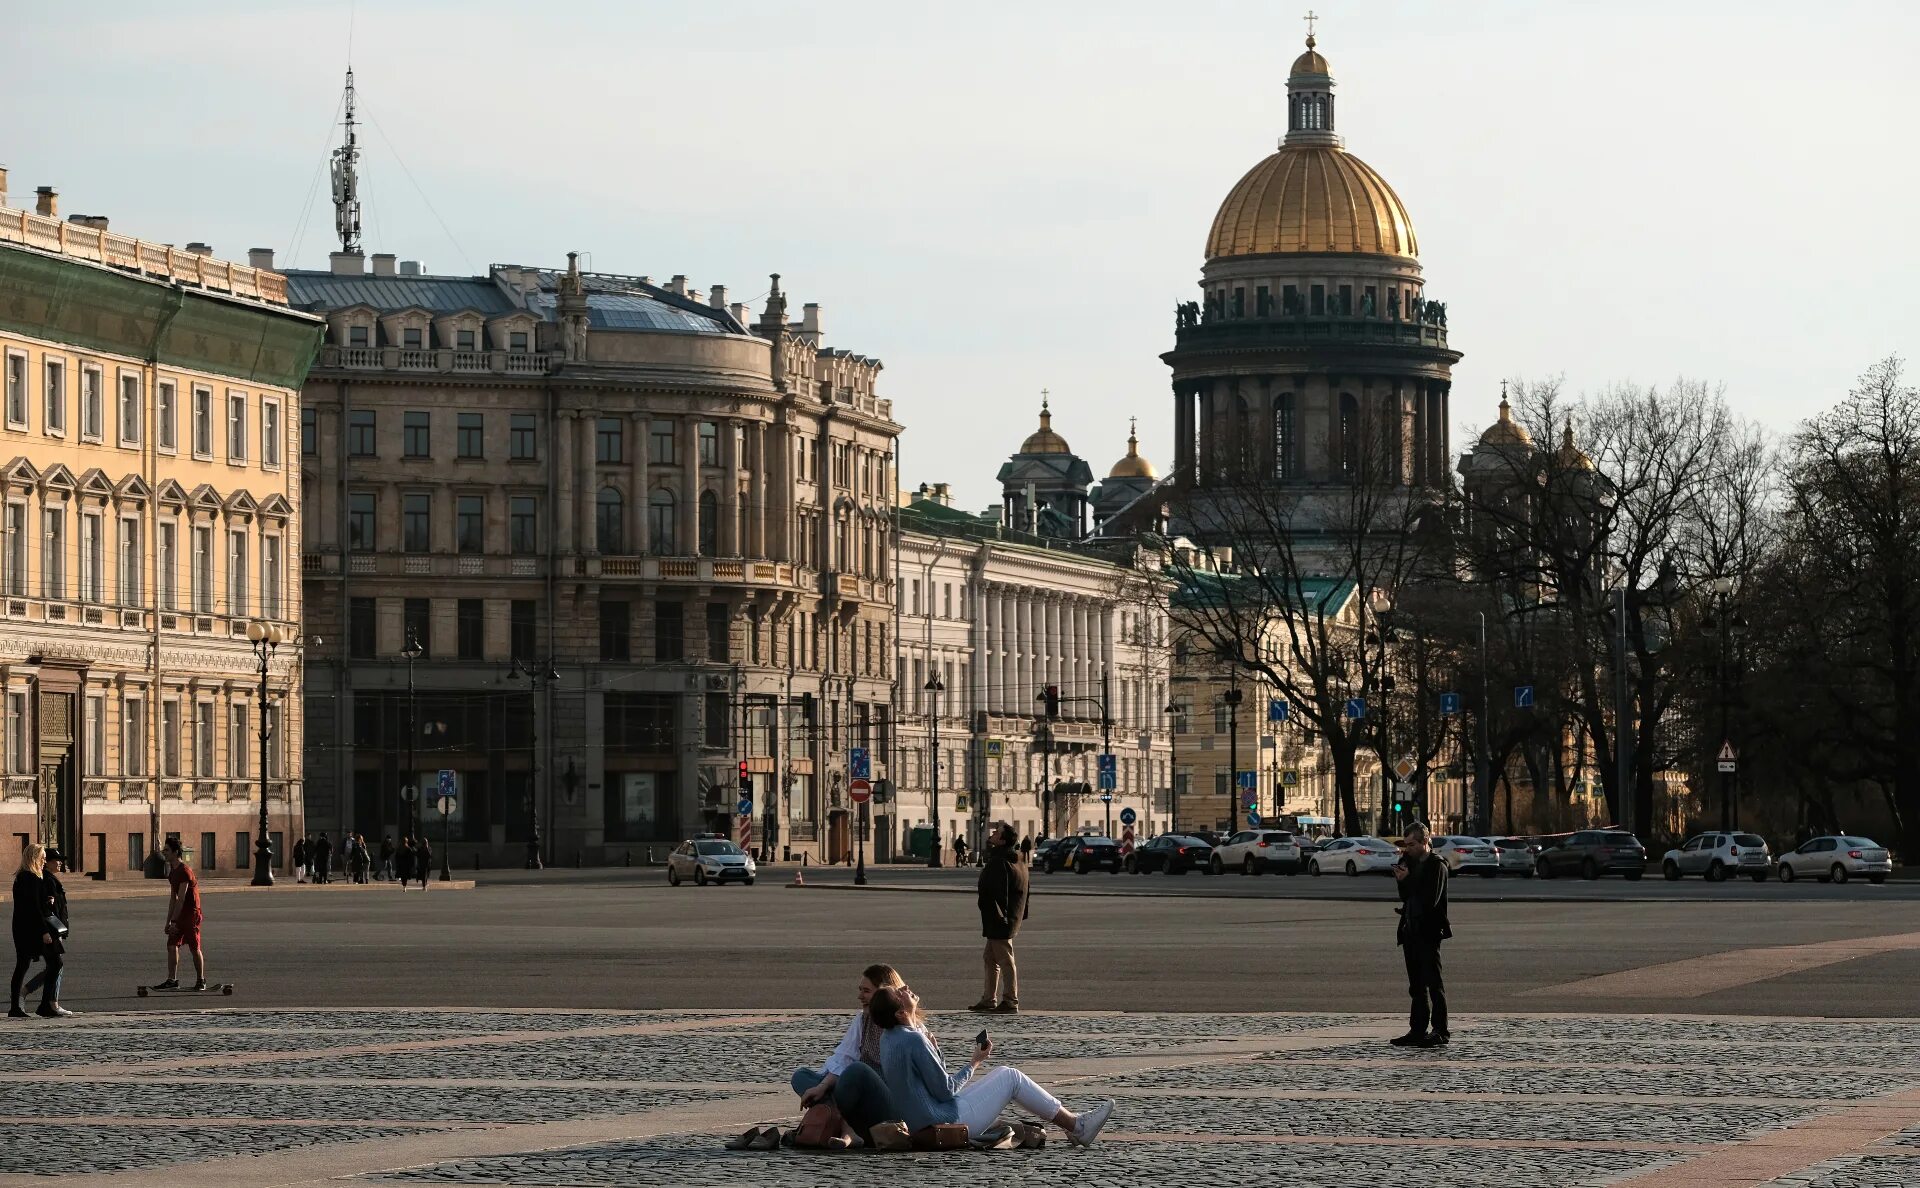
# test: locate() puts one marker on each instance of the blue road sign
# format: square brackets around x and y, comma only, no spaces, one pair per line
[1253,819]
[861,767]
[1523,697]
[1246,779]
[1356,707]
[1109,774]
[1276,710]
[1128,816]
[1449,703]
[745,807]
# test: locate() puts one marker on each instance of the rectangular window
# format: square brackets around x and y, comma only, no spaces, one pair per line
[1317,295]
[17,756]
[309,433]
[202,423]
[96,735]
[362,623]
[719,632]
[170,739]
[465,340]
[523,439]
[206,855]
[709,444]
[608,438]
[17,391]
[237,573]
[131,560]
[166,419]
[470,434]
[53,553]
[14,530]
[470,636]
[55,397]
[523,537]
[517,340]
[236,427]
[270,433]
[360,434]
[93,400]
[270,577]
[243,850]
[416,435]
[203,740]
[359,336]
[136,851]
[203,569]
[360,522]
[237,742]
[166,565]
[131,410]
[276,745]
[669,632]
[616,629]
[416,522]
[520,628]
[413,339]
[92,558]
[133,736]
[470,523]
[661,449]
[417,623]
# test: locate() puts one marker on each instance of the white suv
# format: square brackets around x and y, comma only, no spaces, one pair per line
[1718,856]
[1256,851]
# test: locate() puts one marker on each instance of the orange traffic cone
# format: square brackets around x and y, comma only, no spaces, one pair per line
[799,877]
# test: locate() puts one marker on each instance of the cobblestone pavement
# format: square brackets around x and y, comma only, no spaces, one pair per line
[366,1098]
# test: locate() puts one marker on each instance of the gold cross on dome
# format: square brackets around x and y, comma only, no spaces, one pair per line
[1311,17]
[1043,400]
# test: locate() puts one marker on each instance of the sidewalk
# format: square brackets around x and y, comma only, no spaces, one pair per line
[81,887]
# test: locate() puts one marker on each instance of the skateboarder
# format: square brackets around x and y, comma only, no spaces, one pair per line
[183,918]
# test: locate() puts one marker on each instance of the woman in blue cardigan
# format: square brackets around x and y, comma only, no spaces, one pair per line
[925,1093]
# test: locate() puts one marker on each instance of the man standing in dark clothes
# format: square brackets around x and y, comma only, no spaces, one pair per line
[1422,878]
[1003,905]
[322,859]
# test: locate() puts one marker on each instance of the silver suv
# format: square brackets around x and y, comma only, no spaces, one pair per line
[1256,851]
[1719,855]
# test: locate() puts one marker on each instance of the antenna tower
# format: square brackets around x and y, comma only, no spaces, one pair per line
[346,182]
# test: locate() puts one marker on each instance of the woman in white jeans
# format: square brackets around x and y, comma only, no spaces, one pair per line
[926,1094]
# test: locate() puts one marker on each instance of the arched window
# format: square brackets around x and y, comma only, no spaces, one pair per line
[610,521]
[661,523]
[709,523]
[1349,436]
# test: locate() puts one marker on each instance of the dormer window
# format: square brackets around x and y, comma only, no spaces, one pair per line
[466,340]
[413,338]
[358,336]
[517,340]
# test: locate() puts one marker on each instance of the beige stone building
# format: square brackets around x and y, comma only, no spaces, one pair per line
[674,518]
[149,514]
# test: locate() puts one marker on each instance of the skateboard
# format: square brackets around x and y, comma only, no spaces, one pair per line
[212,988]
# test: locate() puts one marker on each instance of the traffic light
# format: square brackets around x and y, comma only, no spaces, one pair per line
[746,777]
[1052,697]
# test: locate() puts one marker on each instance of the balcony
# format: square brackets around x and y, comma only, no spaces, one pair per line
[1294,331]
[327,564]
[440,360]
[137,255]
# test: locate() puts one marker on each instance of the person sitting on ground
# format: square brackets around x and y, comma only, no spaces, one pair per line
[851,1077]
[927,1094]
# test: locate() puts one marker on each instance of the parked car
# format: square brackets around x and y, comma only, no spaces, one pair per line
[1836,858]
[1087,853]
[1717,855]
[709,860]
[1256,851]
[1516,854]
[1591,853]
[1354,856]
[1468,855]
[1171,853]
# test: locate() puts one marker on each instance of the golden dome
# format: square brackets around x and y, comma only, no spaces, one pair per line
[1570,456]
[1506,430]
[1044,440]
[1312,198]
[1310,62]
[1133,465]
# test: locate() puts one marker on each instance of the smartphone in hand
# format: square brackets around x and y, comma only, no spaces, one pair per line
[980,1041]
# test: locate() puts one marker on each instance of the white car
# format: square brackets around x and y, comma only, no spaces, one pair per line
[1516,854]
[709,860]
[1256,851]
[1837,858]
[1718,856]
[1354,856]
[1468,855]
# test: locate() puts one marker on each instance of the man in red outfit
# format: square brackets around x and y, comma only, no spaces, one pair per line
[183,918]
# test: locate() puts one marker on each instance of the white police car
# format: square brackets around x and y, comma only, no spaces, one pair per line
[709,860]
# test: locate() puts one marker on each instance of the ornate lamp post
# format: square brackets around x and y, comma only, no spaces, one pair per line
[411,794]
[266,638]
[935,687]
[537,674]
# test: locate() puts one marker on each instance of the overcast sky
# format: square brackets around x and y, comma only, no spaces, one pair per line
[999,197]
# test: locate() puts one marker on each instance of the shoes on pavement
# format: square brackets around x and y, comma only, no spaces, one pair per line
[1091,1124]
[984,1006]
[1413,1039]
[1438,1039]
[1007,1007]
[17,1012]
[53,1010]
[200,985]
[169,984]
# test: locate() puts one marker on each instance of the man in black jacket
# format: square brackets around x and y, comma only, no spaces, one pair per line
[1003,905]
[1422,878]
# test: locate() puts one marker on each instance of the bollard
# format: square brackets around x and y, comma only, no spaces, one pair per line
[629,857]
[803,858]
[649,855]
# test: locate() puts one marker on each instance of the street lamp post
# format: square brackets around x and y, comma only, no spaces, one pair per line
[536,674]
[266,639]
[935,687]
[412,651]
[1232,698]
[1729,626]
[1173,767]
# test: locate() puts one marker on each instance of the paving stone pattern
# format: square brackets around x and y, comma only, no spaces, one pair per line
[1856,1171]
[1759,1056]
[77,1149]
[343,1101]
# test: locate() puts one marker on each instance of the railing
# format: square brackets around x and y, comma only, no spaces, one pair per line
[415,360]
[137,255]
[17,787]
[1308,330]
[368,358]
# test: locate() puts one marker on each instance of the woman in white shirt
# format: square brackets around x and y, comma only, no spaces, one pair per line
[851,1079]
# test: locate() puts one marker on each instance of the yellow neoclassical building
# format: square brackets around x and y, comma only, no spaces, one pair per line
[149,515]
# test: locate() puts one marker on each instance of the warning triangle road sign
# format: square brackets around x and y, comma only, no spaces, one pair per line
[1726,751]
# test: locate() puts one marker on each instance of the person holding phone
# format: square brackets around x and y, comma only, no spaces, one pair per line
[1422,879]
[1003,891]
[927,1094]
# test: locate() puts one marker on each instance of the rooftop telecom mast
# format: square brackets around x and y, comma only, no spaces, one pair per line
[346,183]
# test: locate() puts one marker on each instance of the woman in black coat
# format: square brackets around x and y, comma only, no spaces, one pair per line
[36,896]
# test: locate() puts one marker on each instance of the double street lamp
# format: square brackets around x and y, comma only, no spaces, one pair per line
[537,673]
[266,639]
[935,687]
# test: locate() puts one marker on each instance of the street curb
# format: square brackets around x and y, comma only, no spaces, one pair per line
[159,888]
[1377,899]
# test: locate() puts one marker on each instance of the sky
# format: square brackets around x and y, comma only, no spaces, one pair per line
[997,198]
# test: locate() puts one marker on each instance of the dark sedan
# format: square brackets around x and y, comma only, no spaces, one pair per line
[1591,853]
[1170,853]
[1083,854]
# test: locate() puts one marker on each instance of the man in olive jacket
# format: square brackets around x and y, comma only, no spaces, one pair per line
[1003,904]
[1422,878]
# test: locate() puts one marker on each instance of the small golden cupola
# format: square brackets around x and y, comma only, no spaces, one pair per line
[1133,465]
[1571,456]
[1506,430]
[1044,440]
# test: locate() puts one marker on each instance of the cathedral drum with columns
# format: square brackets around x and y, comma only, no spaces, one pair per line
[1314,335]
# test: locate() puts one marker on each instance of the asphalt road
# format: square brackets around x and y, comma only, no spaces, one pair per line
[623,939]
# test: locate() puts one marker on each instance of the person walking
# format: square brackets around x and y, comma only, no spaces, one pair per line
[299,859]
[38,901]
[1422,878]
[322,855]
[386,859]
[1003,895]
[423,860]
[183,918]
[403,861]
[1026,850]
[362,859]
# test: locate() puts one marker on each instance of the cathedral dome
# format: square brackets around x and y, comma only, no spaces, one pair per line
[1310,62]
[1133,465]
[1506,430]
[1044,440]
